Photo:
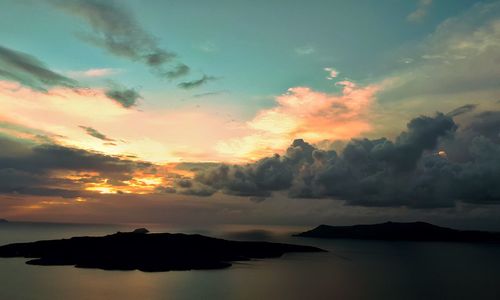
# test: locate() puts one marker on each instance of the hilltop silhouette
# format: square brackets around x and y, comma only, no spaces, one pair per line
[415,231]
[147,252]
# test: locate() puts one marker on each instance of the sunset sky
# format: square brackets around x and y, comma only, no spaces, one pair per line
[252,112]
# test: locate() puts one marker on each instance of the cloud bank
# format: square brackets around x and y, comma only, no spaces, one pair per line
[54,170]
[434,163]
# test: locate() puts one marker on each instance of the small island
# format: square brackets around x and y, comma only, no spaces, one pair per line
[3,221]
[149,252]
[393,231]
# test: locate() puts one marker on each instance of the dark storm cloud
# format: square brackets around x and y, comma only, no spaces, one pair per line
[409,171]
[46,157]
[93,132]
[125,96]
[258,179]
[29,71]
[486,124]
[196,83]
[115,29]
[27,168]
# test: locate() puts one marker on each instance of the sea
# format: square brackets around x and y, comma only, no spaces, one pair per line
[351,269]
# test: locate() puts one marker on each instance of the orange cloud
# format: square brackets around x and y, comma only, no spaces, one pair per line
[184,133]
[308,114]
[159,135]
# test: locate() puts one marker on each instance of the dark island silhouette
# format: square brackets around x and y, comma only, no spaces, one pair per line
[149,252]
[393,231]
[3,221]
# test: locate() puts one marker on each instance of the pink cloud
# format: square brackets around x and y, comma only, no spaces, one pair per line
[93,73]
[308,114]
[332,73]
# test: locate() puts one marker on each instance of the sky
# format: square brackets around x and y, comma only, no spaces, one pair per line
[250,112]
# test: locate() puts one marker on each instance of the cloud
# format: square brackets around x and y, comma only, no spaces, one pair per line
[332,73]
[305,50]
[305,113]
[196,83]
[178,71]
[207,94]
[29,71]
[92,132]
[125,96]
[55,170]
[257,179]
[455,59]
[462,110]
[187,134]
[208,47]
[421,12]
[379,172]
[93,73]
[115,29]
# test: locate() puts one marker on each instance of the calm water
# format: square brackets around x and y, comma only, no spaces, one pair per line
[351,270]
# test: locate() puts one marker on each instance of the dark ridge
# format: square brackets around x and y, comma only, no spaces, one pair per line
[3,221]
[393,231]
[147,252]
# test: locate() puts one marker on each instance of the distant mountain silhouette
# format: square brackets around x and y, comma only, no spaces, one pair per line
[147,252]
[416,231]
[3,221]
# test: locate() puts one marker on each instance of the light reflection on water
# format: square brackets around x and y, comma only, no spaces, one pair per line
[351,270]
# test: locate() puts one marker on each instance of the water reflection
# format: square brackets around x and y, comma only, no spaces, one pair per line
[351,270]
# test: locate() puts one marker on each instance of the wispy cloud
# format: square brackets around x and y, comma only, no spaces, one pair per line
[462,110]
[178,71]
[208,47]
[159,135]
[93,132]
[421,12]
[115,29]
[455,59]
[196,83]
[29,71]
[93,73]
[126,97]
[207,94]
[305,50]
